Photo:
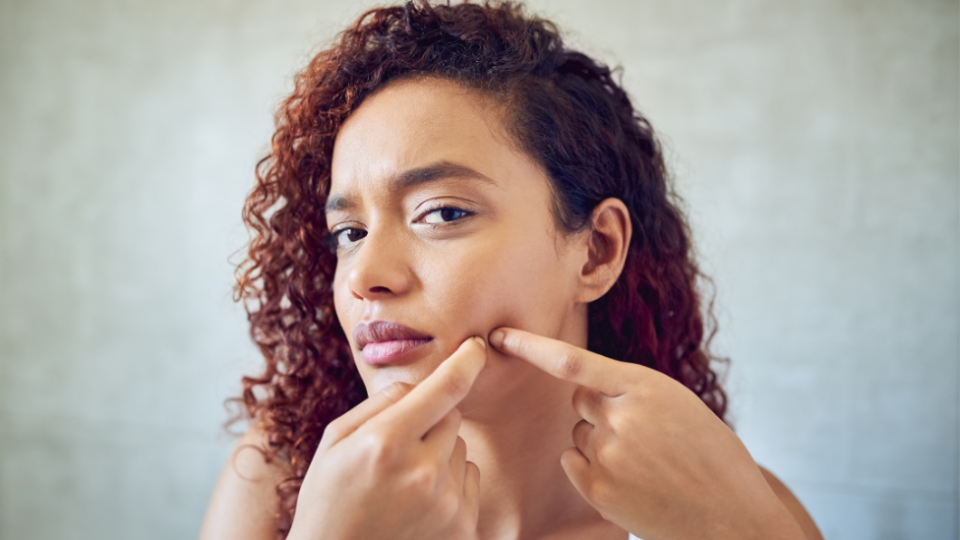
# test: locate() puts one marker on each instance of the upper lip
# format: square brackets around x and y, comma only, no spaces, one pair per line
[374,331]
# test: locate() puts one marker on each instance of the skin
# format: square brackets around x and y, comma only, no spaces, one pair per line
[529,435]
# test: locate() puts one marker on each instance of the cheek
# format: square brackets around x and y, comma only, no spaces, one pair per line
[517,285]
[342,303]
[469,289]
[522,285]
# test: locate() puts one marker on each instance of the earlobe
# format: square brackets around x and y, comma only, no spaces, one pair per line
[608,244]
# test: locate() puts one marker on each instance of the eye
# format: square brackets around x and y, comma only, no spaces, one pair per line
[445,214]
[345,237]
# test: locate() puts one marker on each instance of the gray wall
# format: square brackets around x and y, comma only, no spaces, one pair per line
[816,142]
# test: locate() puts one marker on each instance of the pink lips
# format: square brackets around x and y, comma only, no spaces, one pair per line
[382,342]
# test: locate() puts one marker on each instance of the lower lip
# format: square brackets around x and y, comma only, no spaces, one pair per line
[384,352]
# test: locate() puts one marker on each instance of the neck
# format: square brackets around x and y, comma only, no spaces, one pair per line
[524,492]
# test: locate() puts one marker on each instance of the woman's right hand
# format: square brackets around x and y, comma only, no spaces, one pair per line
[394,466]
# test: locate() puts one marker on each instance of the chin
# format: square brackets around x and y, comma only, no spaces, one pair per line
[499,377]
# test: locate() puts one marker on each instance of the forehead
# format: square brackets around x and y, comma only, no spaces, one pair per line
[411,123]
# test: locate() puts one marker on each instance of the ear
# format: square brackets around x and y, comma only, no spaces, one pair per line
[607,244]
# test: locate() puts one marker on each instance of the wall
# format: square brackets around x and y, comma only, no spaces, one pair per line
[816,143]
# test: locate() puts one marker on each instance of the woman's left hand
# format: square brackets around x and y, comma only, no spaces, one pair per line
[649,455]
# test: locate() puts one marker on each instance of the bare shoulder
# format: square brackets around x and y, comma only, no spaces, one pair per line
[244,502]
[793,505]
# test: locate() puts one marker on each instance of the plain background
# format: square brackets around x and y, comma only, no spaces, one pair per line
[815,141]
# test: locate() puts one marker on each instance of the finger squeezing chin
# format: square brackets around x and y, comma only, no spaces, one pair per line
[424,406]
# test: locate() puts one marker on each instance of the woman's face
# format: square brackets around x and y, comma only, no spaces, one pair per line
[445,228]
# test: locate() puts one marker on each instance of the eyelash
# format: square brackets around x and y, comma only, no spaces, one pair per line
[334,244]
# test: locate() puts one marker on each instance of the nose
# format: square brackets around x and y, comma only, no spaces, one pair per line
[380,268]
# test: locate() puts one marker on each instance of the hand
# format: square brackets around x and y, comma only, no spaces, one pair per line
[649,455]
[394,467]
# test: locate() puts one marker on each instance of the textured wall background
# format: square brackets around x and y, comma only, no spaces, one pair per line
[816,142]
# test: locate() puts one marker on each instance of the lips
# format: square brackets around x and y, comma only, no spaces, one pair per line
[383,342]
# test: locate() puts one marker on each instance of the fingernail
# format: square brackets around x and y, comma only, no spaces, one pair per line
[480,341]
[496,337]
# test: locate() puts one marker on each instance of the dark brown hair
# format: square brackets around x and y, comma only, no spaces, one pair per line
[563,108]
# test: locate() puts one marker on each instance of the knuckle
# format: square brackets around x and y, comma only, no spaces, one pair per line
[448,505]
[641,392]
[424,479]
[605,455]
[653,387]
[617,422]
[396,390]
[455,384]
[378,450]
[596,492]
[569,364]
[588,488]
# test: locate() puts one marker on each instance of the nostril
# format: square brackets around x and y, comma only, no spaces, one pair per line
[379,289]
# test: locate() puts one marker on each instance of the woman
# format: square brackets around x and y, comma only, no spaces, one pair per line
[470,224]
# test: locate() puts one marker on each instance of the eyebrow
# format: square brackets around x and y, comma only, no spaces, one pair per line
[442,170]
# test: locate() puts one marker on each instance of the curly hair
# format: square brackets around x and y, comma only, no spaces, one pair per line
[564,109]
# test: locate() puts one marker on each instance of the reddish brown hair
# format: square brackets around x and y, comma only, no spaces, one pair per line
[565,109]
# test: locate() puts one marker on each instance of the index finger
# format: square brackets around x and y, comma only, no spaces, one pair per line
[563,360]
[421,409]
[350,421]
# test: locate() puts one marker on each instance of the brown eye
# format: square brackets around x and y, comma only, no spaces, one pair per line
[442,215]
[346,237]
